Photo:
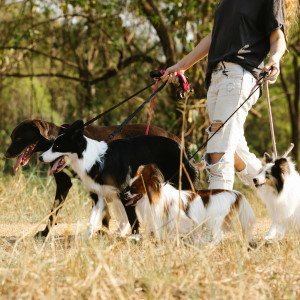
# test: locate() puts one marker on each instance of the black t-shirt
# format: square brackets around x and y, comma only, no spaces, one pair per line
[241,33]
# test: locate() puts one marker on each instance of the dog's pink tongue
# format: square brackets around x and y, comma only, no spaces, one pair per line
[130,202]
[19,161]
[134,200]
[55,166]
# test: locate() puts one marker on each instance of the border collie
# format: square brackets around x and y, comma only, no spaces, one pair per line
[105,169]
[164,211]
[278,187]
[38,135]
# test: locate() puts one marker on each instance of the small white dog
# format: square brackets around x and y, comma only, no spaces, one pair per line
[278,187]
[164,210]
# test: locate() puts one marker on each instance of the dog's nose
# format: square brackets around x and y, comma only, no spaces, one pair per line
[255,180]
[41,158]
[126,195]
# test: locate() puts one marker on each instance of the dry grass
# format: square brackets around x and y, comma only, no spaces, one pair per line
[107,267]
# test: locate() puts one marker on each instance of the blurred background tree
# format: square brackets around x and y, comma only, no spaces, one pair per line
[67,60]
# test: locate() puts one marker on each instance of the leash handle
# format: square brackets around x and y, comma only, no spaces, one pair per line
[156,74]
[184,87]
[183,82]
[265,75]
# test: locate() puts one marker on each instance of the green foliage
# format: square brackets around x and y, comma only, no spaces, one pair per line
[65,60]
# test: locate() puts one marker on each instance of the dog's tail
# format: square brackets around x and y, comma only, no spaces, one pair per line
[246,216]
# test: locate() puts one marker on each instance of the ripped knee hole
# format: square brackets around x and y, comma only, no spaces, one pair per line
[215,125]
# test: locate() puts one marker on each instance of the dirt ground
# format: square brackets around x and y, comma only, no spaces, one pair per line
[29,229]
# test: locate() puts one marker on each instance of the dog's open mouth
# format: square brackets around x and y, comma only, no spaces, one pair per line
[58,165]
[258,185]
[134,200]
[24,157]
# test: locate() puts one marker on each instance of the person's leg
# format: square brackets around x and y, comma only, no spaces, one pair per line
[246,164]
[234,87]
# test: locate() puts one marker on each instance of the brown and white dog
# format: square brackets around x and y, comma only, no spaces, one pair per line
[164,210]
[32,136]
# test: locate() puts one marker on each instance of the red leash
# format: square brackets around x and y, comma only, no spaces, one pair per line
[185,87]
[151,108]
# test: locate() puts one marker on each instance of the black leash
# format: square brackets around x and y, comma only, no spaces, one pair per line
[263,77]
[182,91]
[117,105]
[120,127]
[254,89]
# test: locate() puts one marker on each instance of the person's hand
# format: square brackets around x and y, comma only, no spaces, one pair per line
[171,75]
[273,64]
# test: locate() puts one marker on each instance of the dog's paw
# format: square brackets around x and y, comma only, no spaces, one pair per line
[135,238]
[41,234]
[123,229]
[252,245]
[101,232]
[274,236]
[269,237]
[88,235]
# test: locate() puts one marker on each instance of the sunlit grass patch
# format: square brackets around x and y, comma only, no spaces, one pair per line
[29,197]
[112,268]
[65,266]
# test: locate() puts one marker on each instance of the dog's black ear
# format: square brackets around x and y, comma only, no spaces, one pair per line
[43,128]
[63,128]
[76,128]
[77,124]
[279,171]
[267,157]
[283,165]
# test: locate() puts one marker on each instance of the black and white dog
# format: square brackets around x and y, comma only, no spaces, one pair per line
[278,187]
[105,169]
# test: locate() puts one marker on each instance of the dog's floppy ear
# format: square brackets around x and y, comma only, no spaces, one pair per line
[267,157]
[153,179]
[43,128]
[283,165]
[279,171]
[140,170]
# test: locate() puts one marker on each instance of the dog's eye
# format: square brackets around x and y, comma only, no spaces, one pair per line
[55,147]
[268,176]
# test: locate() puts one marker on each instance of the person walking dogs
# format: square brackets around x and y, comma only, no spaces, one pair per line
[244,33]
